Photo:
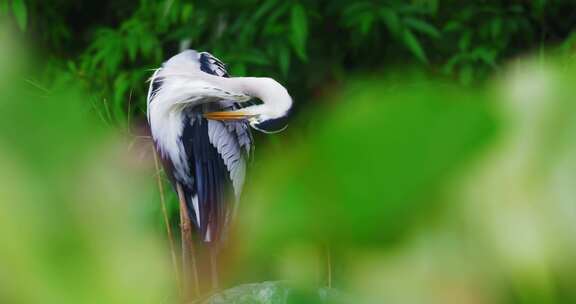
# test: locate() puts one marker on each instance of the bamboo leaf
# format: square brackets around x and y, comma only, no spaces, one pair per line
[284,60]
[275,14]
[422,26]
[132,49]
[299,30]
[496,27]
[186,13]
[464,41]
[390,17]
[452,26]
[466,74]
[366,23]
[263,9]
[20,13]
[414,45]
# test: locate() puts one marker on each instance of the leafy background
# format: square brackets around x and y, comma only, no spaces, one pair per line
[430,158]
[310,45]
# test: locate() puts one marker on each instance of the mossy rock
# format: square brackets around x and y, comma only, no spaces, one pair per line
[273,292]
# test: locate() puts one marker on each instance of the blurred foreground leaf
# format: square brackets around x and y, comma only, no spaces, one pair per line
[372,168]
[71,204]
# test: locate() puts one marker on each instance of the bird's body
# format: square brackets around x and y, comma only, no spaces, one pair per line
[207,158]
[201,128]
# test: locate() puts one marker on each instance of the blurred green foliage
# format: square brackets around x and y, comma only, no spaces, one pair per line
[68,229]
[426,192]
[412,138]
[111,46]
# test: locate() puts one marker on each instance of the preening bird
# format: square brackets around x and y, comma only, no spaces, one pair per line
[200,121]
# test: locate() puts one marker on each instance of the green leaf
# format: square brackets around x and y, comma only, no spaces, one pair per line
[538,7]
[464,41]
[121,87]
[284,60]
[569,43]
[263,9]
[390,17]
[422,26]
[432,6]
[299,30]
[20,13]
[414,46]
[275,14]
[452,26]
[366,23]
[357,7]
[496,27]
[466,74]
[452,62]
[186,13]
[132,47]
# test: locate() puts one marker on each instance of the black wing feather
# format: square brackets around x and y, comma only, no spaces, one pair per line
[212,183]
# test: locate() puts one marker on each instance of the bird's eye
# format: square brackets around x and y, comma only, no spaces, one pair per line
[271,125]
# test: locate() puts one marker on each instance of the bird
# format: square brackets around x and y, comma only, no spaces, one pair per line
[200,120]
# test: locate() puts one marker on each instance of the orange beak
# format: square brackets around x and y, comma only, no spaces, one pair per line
[231,115]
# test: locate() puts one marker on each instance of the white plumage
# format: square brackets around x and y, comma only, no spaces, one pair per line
[201,131]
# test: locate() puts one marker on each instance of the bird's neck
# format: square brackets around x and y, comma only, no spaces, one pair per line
[275,97]
[276,100]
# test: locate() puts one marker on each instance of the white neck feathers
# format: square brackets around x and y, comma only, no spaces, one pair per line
[275,98]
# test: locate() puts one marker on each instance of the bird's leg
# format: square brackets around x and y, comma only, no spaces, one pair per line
[189,270]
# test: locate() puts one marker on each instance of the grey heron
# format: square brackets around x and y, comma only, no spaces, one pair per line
[200,122]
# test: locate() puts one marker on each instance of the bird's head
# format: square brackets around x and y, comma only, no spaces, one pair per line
[271,116]
[270,124]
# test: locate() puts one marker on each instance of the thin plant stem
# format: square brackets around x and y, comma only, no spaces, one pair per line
[167,222]
[329,267]
[107,108]
[129,109]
